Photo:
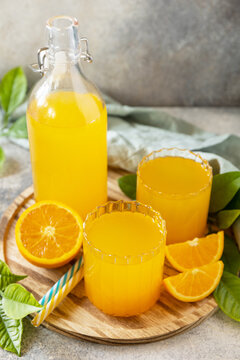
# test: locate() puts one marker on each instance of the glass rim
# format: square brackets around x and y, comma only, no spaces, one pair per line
[52,22]
[161,223]
[204,162]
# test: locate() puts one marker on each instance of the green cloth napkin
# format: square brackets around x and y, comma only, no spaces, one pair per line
[134,132]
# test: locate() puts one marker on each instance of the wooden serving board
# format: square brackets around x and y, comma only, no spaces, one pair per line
[76,316]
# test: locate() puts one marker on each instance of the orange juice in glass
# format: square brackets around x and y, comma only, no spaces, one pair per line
[177,183]
[123,257]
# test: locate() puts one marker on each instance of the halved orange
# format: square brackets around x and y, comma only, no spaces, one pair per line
[197,252]
[196,284]
[49,234]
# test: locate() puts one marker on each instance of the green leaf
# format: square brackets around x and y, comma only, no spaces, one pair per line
[226,218]
[18,302]
[128,185]
[235,202]
[231,256]
[224,187]
[13,89]
[2,157]
[7,277]
[19,129]
[227,295]
[10,332]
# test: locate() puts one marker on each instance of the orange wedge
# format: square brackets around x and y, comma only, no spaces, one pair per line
[196,284]
[49,234]
[197,252]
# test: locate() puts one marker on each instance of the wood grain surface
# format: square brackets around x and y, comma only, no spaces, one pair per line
[76,316]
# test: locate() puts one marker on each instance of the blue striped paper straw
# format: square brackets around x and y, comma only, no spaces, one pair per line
[60,295]
[61,282]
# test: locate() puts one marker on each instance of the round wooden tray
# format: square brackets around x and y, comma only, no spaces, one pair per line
[76,316]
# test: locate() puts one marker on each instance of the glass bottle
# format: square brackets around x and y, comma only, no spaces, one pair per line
[67,124]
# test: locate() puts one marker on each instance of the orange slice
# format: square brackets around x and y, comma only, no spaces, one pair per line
[197,252]
[195,284]
[49,234]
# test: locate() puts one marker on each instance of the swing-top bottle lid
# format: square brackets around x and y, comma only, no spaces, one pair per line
[64,43]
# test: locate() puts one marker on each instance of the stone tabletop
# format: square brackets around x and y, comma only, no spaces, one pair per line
[216,338]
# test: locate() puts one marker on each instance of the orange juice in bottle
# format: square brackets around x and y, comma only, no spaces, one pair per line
[67,125]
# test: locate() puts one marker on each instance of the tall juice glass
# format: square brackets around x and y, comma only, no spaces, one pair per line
[123,257]
[67,125]
[177,183]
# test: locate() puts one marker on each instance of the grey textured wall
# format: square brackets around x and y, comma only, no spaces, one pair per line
[147,52]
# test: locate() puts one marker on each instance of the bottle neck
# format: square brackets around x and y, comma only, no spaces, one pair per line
[63,40]
[62,58]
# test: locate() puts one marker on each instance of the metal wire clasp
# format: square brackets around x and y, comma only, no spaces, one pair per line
[84,50]
[41,57]
[39,67]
